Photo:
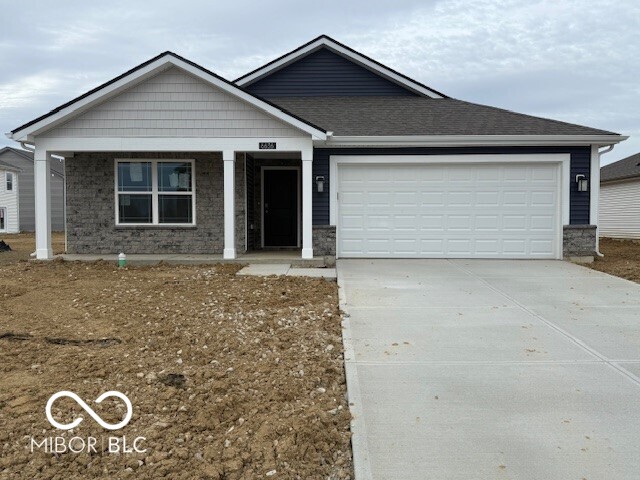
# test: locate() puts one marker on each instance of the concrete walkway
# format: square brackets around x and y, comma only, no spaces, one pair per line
[267,269]
[491,369]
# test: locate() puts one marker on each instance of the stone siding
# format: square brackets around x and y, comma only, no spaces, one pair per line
[579,240]
[324,240]
[91,224]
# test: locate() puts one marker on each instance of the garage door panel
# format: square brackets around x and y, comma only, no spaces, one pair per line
[514,223]
[542,223]
[514,199]
[459,222]
[543,199]
[462,199]
[457,211]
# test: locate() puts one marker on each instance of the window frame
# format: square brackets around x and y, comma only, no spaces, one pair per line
[155,193]
[7,181]
[4,219]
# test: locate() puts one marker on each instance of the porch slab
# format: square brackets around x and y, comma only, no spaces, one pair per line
[266,258]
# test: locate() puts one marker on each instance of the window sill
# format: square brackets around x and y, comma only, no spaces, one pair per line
[156,227]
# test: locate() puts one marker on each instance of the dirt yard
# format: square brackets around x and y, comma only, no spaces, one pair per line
[23,244]
[621,258]
[229,377]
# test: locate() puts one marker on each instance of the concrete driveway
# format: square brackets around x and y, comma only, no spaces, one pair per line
[491,369]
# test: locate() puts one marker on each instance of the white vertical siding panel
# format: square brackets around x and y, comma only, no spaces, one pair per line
[174,101]
[620,209]
[9,200]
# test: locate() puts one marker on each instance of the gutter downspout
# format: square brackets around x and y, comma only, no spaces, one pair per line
[600,153]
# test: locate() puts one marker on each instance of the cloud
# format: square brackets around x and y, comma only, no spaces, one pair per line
[572,60]
[27,90]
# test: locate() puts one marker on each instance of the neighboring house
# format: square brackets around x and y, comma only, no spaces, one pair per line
[22,217]
[620,199]
[323,149]
[9,198]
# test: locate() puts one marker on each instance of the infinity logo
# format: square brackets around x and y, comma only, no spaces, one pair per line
[89,410]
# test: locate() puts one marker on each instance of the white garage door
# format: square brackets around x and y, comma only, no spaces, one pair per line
[448,211]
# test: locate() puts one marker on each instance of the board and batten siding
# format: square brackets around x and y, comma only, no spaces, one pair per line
[325,73]
[620,209]
[9,201]
[174,103]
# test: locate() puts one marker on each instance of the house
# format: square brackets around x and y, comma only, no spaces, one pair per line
[9,222]
[17,194]
[324,150]
[620,198]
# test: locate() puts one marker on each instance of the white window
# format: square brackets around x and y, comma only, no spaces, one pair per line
[9,182]
[155,192]
[3,219]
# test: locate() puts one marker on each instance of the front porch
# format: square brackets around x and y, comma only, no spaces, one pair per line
[232,206]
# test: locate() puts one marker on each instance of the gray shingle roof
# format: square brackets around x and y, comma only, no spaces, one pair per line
[56,166]
[364,116]
[626,168]
[8,166]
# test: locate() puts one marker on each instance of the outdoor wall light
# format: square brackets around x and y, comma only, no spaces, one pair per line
[583,183]
[320,183]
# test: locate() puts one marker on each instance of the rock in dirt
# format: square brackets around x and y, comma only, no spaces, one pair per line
[176,380]
[4,247]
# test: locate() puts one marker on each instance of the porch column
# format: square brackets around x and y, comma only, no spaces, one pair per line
[229,160]
[42,189]
[307,205]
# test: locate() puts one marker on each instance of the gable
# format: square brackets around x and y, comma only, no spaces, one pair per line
[174,103]
[10,160]
[325,73]
[22,160]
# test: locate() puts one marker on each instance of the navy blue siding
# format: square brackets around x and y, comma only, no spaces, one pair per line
[580,163]
[580,201]
[324,73]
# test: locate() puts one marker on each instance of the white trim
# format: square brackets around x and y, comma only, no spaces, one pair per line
[562,159]
[351,55]
[229,162]
[155,193]
[153,68]
[172,144]
[246,205]
[307,207]
[469,140]
[594,191]
[42,189]
[299,206]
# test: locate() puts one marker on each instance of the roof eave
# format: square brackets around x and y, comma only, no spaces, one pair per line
[473,140]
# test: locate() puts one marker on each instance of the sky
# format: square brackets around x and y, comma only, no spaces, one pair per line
[571,60]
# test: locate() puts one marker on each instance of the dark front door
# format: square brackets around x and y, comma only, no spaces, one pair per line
[280,208]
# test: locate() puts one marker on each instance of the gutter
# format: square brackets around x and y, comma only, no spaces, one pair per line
[471,140]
